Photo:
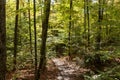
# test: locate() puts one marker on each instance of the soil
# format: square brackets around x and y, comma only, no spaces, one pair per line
[57,69]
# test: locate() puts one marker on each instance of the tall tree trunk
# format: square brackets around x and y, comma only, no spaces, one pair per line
[29,20]
[85,21]
[2,40]
[88,20]
[100,18]
[45,24]
[16,35]
[70,25]
[35,36]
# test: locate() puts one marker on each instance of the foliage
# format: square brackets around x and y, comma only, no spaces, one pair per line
[110,74]
[99,60]
[57,39]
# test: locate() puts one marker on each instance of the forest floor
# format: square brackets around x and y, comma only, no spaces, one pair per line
[68,70]
[57,69]
[62,68]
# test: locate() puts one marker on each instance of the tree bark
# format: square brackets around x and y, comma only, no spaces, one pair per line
[45,24]
[35,36]
[100,18]
[16,35]
[85,22]
[70,25]
[29,19]
[88,20]
[2,40]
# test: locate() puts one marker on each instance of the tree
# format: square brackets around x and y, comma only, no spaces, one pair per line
[88,20]
[16,35]
[2,40]
[45,24]
[70,25]
[100,18]
[85,19]
[35,36]
[29,22]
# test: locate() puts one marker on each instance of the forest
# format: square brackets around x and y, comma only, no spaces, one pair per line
[59,39]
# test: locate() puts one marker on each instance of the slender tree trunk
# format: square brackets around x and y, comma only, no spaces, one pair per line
[88,20]
[45,22]
[2,40]
[85,22]
[70,25]
[30,34]
[107,32]
[100,18]
[16,35]
[106,26]
[35,36]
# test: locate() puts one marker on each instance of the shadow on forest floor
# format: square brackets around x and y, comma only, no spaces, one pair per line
[57,69]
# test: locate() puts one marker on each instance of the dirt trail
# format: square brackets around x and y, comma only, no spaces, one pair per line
[57,69]
[68,70]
